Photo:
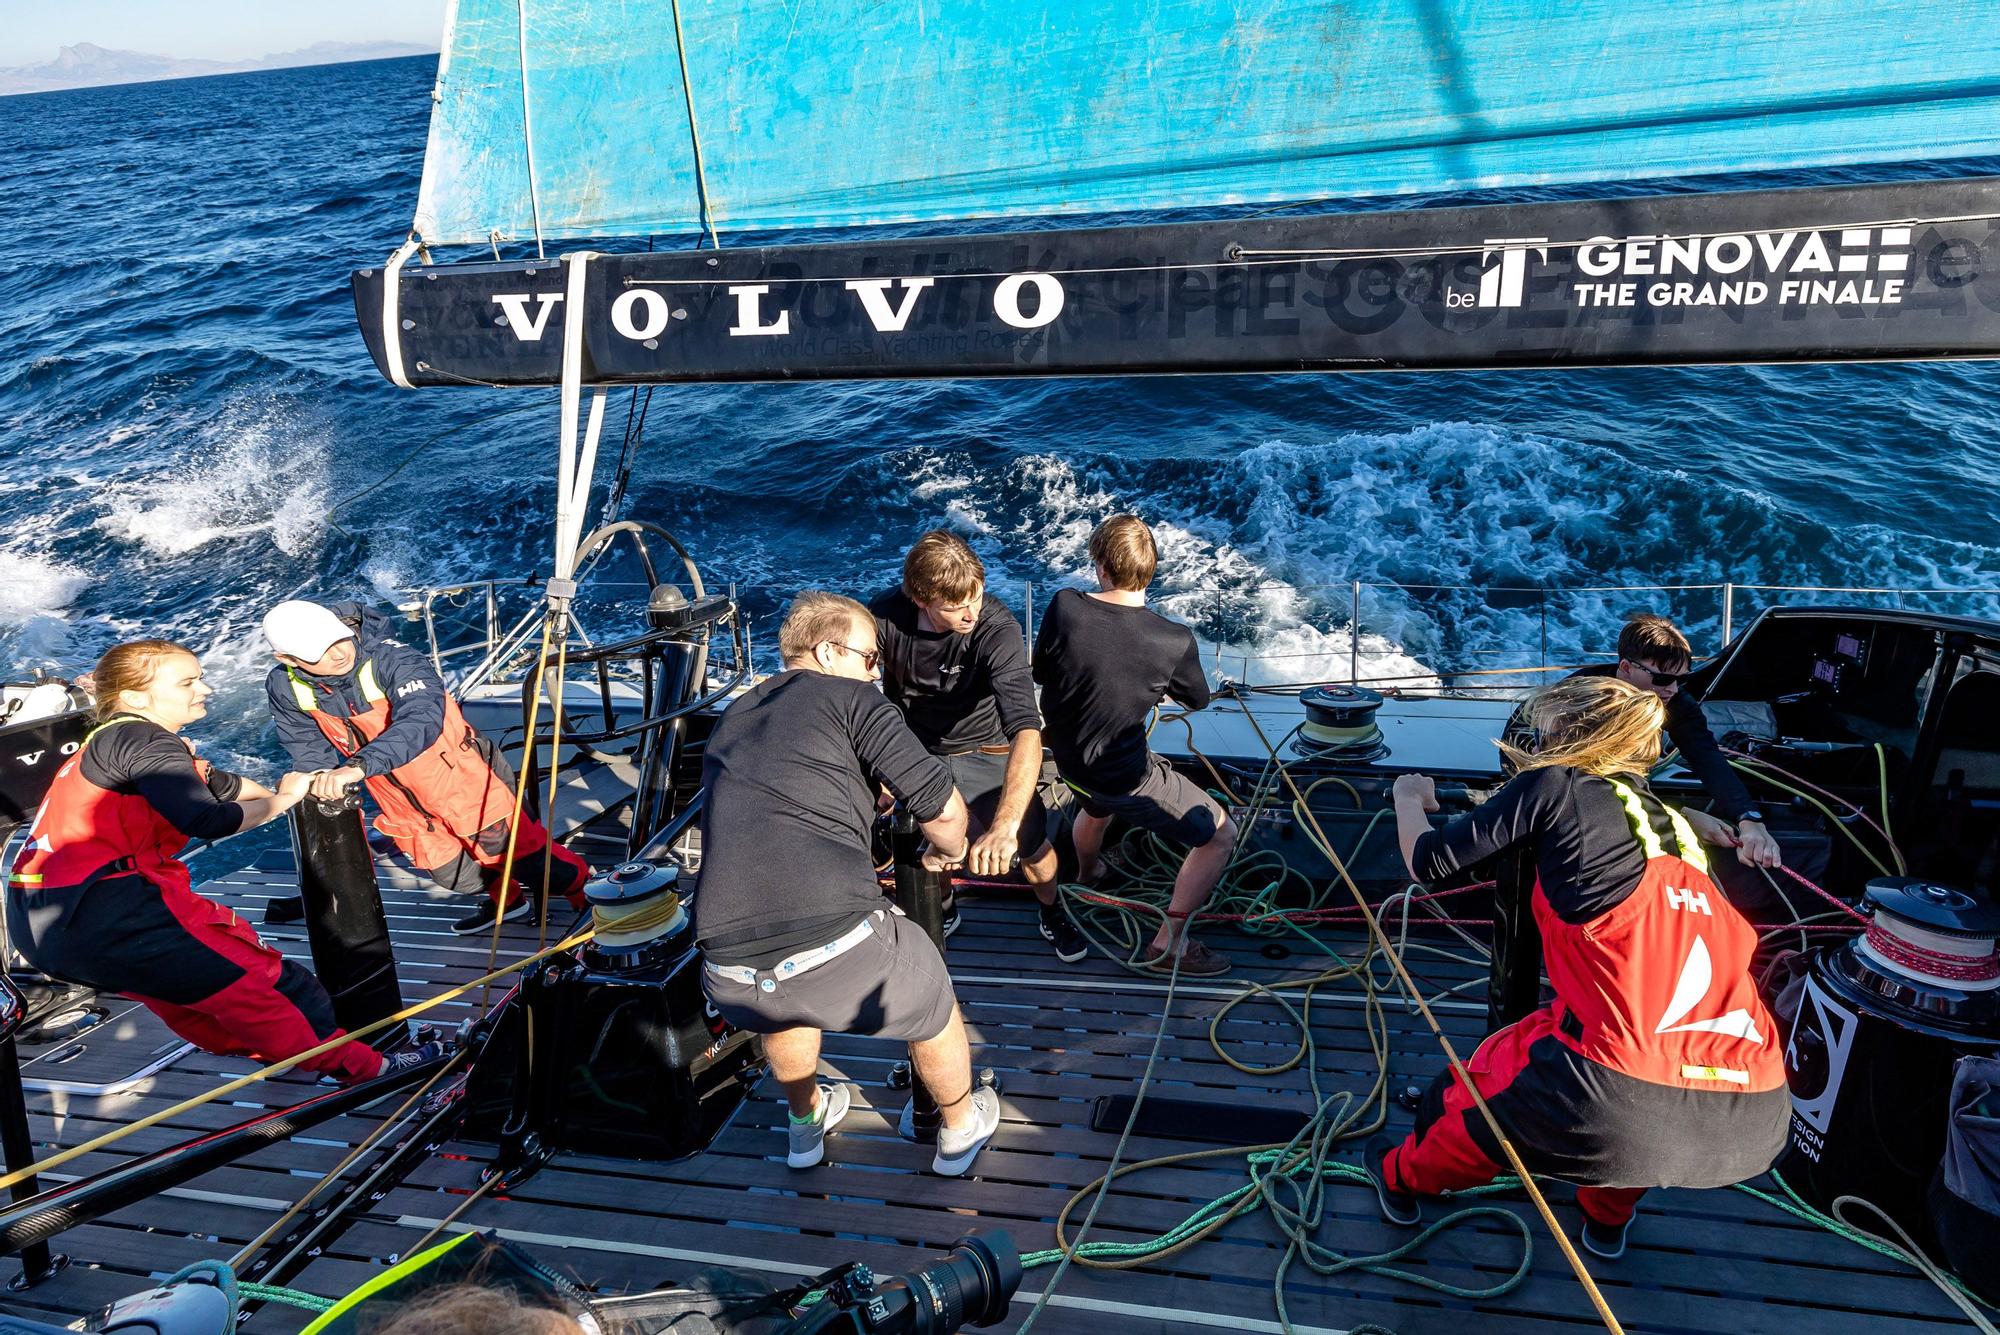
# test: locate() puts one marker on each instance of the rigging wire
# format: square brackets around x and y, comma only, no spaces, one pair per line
[694,132]
[528,130]
[411,457]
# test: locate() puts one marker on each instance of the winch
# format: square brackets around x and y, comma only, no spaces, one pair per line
[1882,1018]
[1340,724]
[611,1048]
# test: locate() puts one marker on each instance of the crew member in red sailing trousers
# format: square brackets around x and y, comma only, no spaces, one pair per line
[356,706]
[1658,1064]
[97,896]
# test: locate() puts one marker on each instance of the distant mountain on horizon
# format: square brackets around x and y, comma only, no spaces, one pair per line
[88,65]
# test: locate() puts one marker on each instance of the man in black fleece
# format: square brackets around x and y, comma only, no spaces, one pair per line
[1104,660]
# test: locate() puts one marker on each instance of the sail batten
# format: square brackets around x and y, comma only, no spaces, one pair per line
[855,113]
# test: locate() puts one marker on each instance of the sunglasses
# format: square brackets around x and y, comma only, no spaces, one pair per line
[1661,678]
[869,657]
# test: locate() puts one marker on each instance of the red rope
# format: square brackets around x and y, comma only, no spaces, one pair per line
[1829,897]
[1955,968]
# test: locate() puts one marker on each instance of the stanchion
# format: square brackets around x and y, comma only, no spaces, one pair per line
[17,1145]
[920,894]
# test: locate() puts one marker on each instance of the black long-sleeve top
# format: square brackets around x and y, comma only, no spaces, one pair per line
[1687,729]
[1102,667]
[1587,855]
[958,692]
[135,755]
[792,770]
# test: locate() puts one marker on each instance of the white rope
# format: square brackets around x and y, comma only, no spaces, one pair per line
[528,130]
[392,312]
[574,467]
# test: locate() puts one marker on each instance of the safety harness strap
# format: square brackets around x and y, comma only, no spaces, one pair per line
[302,690]
[1688,847]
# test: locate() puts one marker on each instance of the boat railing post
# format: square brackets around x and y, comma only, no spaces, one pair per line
[1728,612]
[1354,639]
[1028,616]
[492,617]
[1545,627]
[17,1143]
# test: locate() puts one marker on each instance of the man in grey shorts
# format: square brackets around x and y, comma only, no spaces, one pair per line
[1104,659]
[954,660]
[797,937]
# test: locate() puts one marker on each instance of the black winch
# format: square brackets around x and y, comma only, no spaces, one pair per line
[1340,724]
[1881,1019]
[612,1048]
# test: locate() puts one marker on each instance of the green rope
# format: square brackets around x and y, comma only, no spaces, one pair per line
[278,1293]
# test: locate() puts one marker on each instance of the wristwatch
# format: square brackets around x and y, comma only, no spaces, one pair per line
[1752,814]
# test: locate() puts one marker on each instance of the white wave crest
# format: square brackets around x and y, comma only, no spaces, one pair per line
[261,467]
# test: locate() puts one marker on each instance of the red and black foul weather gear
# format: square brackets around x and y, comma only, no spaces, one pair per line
[96,896]
[443,793]
[1658,1064]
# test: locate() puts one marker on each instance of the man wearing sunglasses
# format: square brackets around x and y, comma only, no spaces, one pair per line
[796,934]
[1654,656]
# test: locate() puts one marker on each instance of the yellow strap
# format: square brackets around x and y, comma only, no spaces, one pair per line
[395,1275]
[111,723]
[27,878]
[370,691]
[302,693]
[1649,839]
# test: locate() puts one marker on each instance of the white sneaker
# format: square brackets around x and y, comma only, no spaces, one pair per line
[957,1149]
[808,1145]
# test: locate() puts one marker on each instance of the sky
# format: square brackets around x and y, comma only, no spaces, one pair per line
[31,31]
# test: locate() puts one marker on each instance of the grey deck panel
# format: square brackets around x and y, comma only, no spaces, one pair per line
[1059,1037]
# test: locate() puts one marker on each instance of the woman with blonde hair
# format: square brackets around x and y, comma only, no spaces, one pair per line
[1657,1064]
[97,895]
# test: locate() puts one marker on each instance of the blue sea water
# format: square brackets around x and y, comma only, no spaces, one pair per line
[184,399]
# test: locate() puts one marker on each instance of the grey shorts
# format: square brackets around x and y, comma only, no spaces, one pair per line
[1165,802]
[980,777]
[891,985]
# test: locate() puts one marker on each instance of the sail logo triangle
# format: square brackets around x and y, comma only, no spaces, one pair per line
[1697,974]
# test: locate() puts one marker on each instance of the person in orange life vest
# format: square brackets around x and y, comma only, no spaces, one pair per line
[355,706]
[96,896]
[1658,1064]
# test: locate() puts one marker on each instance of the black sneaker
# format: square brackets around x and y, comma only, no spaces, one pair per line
[421,1055]
[1058,929]
[950,922]
[1606,1241]
[1398,1207]
[481,918]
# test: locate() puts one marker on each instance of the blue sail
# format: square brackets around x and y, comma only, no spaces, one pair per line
[571,118]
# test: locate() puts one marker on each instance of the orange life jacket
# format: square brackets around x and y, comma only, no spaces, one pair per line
[83,832]
[433,806]
[1659,987]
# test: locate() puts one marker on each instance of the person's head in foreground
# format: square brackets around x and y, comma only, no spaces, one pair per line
[1602,725]
[829,634]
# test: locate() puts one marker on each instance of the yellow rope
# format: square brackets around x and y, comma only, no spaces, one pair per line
[555,768]
[62,1157]
[658,914]
[1381,938]
[520,796]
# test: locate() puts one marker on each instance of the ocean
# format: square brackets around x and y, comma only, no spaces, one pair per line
[185,404]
